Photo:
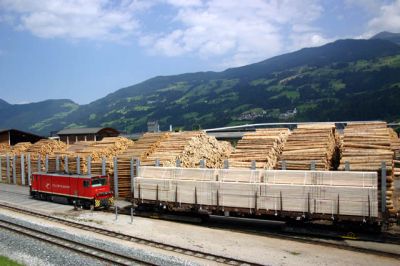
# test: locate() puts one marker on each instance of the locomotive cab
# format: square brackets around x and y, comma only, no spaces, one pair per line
[103,197]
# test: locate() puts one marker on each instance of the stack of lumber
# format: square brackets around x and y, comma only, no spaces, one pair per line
[20,147]
[316,143]
[365,146]
[272,191]
[263,146]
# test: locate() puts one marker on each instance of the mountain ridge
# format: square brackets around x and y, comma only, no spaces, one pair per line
[321,83]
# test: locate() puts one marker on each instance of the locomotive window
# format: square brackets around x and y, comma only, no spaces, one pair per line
[86,183]
[98,182]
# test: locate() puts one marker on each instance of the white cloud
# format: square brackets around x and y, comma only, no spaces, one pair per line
[75,19]
[388,19]
[237,31]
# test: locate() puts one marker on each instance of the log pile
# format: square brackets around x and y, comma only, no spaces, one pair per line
[140,149]
[263,146]
[46,147]
[395,146]
[190,148]
[316,143]
[145,146]
[20,147]
[365,147]
[5,148]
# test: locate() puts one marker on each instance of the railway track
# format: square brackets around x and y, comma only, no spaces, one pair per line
[138,240]
[64,242]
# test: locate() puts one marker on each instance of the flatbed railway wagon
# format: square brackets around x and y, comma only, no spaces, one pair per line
[328,195]
[81,190]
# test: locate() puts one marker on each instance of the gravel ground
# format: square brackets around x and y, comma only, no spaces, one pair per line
[33,252]
[29,251]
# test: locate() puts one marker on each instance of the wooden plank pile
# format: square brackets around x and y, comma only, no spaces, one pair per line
[263,146]
[316,143]
[365,146]
[262,191]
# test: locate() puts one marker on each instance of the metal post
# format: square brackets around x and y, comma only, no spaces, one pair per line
[78,165]
[66,164]
[226,164]
[131,215]
[29,169]
[57,163]
[312,165]
[22,169]
[14,170]
[132,172]
[89,165]
[157,162]
[202,163]
[116,177]
[347,166]
[103,166]
[116,212]
[46,165]
[178,163]
[283,165]
[39,164]
[8,168]
[383,187]
[253,165]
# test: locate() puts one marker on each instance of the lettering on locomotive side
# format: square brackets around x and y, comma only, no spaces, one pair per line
[60,186]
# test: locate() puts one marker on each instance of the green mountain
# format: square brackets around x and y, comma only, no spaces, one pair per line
[389,36]
[343,80]
[42,117]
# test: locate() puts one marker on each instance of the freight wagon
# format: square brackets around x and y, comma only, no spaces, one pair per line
[333,195]
[81,190]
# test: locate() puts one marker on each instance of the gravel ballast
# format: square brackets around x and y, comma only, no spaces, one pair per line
[30,251]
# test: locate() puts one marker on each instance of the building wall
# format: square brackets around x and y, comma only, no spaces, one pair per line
[4,138]
[73,138]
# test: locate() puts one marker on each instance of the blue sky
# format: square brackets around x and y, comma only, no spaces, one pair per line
[84,49]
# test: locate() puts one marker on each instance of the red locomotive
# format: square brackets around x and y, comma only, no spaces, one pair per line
[82,190]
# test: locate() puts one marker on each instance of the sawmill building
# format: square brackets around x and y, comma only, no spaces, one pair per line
[72,135]
[14,136]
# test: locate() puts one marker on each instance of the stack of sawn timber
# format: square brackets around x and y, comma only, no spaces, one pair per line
[261,191]
[316,143]
[365,147]
[263,146]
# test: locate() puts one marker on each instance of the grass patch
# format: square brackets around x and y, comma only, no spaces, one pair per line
[294,253]
[4,261]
